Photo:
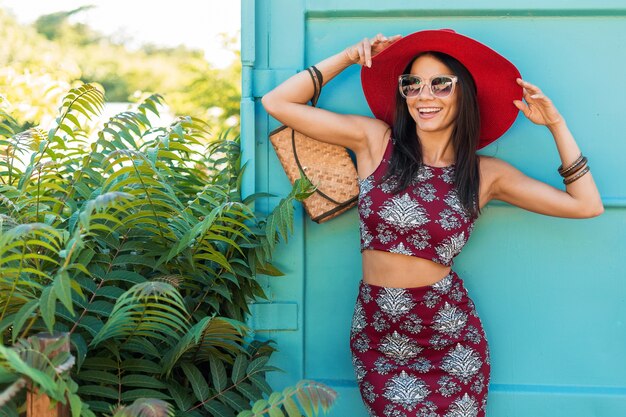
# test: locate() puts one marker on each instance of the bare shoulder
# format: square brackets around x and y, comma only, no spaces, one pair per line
[369,156]
[489,164]
[491,171]
[496,169]
[378,133]
[499,177]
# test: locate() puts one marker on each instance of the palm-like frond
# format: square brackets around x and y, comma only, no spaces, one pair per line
[138,243]
[25,266]
[211,336]
[307,397]
[153,310]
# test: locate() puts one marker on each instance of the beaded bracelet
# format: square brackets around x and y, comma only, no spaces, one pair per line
[564,171]
[577,176]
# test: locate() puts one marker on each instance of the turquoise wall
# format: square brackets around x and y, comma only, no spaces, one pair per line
[551,292]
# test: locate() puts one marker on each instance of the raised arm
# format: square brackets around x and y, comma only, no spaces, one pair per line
[287,102]
[580,199]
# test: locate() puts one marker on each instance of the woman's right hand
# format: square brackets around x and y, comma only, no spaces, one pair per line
[362,52]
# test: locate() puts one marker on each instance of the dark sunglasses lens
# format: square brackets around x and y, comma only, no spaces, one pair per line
[410,86]
[442,86]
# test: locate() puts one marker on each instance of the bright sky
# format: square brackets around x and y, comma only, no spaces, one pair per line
[194,23]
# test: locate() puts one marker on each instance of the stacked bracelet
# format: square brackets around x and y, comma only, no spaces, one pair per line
[318,73]
[574,168]
[581,160]
[317,78]
[575,177]
[577,169]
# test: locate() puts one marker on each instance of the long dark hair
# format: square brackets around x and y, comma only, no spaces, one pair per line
[406,159]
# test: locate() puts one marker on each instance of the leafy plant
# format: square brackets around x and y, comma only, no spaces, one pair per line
[307,393]
[145,408]
[135,240]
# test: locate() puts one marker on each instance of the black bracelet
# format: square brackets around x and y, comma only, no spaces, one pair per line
[316,92]
[319,75]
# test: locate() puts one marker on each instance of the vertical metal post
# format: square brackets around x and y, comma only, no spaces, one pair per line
[248,140]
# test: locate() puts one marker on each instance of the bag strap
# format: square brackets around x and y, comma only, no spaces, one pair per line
[333,211]
[318,81]
[295,154]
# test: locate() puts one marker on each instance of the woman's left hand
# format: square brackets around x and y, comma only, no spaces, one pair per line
[538,108]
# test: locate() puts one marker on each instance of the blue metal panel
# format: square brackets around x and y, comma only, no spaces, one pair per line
[550,291]
[279,319]
[501,8]
[274,316]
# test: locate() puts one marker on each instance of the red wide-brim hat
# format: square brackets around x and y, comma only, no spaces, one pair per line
[494,75]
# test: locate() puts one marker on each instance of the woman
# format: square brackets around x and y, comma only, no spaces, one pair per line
[418,346]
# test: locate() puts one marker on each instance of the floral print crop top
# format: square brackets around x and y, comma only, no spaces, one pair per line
[426,220]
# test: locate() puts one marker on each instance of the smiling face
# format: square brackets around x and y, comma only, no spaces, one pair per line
[432,115]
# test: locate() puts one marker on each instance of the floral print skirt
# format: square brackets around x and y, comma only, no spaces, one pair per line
[420,352]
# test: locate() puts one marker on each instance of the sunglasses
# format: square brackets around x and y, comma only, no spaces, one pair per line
[441,86]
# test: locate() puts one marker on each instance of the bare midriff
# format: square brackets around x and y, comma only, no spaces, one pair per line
[388,269]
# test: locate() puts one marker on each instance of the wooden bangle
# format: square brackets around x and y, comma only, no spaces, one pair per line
[563,171]
[577,176]
[575,168]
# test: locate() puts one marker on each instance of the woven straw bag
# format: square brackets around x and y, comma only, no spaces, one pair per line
[329,167]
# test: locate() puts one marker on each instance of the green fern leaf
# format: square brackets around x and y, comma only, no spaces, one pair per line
[144,381]
[310,397]
[135,394]
[234,401]
[260,382]
[78,341]
[47,307]
[274,398]
[142,346]
[63,290]
[239,368]
[249,391]
[100,391]
[257,364]
[305,403]
[218,374]
[259,406]
[20,318]
[187,342]
[141,365]
[275,412]
[218,409]
[180,394]
[100,377]
[291,407]
[198,383]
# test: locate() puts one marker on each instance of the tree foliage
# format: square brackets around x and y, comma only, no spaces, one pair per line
[34,73]
[40,62]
